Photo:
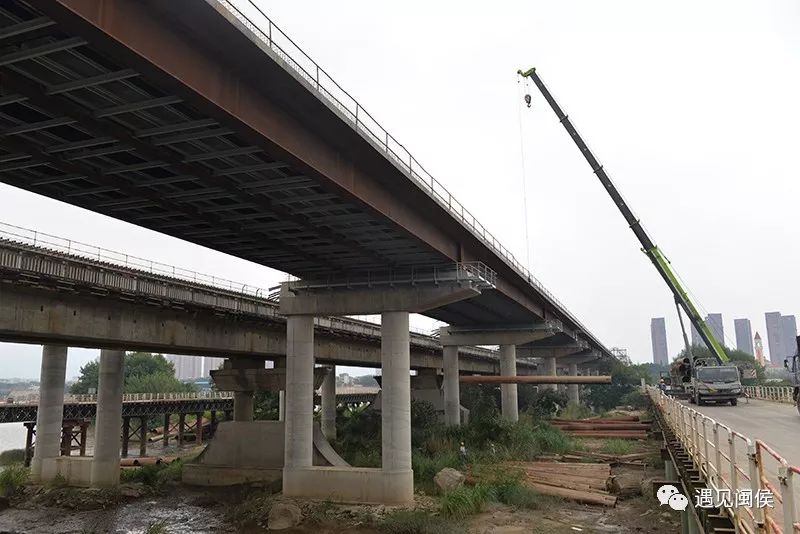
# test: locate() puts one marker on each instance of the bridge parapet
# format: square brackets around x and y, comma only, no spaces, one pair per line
[771,393]
[731,463]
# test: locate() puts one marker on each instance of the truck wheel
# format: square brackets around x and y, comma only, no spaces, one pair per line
[734,402]
[697,400]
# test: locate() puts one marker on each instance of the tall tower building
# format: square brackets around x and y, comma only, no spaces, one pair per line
[760,350]
[696,339]
[789,324]
[658,337]
[186,367]
[775,338]
[211,364]
[744,335]
[714,322]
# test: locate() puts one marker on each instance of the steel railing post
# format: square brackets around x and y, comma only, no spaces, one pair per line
[717,457]
[786,478]
[755,487]
[706,456]
[734,475]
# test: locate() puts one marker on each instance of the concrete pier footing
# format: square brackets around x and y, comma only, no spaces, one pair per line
[508,392]
[51,409]
[107,438]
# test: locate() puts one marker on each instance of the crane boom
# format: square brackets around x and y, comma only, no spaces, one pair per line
[660,262]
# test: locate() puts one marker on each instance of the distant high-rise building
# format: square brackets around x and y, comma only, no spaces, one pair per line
[696,339]
[789,328]
[186,367]
[744,335]
[775,337]
[658,336]
[760,350]
[714,322]
[211,364]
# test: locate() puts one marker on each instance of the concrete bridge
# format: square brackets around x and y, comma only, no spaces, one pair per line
[191,119]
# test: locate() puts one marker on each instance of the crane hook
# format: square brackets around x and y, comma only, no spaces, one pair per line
[528,99]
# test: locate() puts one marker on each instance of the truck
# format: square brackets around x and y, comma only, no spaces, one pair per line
[702,386]
[793,366]
[710,382]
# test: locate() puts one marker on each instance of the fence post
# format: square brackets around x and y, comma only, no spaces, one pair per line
[786,476]
[717,456]
[706,458]
[734,475]
[755,486]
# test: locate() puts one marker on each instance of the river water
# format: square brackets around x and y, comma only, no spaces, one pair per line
[12,436]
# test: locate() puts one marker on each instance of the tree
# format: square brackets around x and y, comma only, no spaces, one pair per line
[144,373]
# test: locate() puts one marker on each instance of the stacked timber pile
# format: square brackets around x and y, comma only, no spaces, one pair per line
[581,482]
[625,427]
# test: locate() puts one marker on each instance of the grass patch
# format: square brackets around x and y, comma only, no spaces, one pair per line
[575,411]
[619,447]
[466,500]
[419,522]
[12,479]
[12,456]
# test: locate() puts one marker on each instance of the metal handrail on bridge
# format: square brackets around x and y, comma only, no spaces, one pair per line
[317,78]
[771,393]
[715,449]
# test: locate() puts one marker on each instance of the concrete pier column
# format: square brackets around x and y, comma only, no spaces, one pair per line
[508,392]
[396,393]
[572,389]
[51,407]
[243,405]
[451,387]
[299,438]
[550,370]
[328,404]
[105,463]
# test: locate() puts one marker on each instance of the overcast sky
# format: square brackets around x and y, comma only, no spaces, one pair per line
[691,106]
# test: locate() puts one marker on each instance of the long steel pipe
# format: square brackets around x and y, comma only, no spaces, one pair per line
[483,379]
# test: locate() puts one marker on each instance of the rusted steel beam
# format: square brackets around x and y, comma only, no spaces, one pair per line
[482,379]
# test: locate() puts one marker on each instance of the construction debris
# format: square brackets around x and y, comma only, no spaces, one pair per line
[581,482]
[625,427]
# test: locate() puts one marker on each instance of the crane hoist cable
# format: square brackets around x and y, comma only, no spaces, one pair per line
[524,173]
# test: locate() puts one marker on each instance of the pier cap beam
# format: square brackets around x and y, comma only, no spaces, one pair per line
[518,334]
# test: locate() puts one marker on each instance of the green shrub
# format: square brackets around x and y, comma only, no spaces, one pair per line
[635,399]
[515,494]
[575,411]
[12,456]
[12,479]
[154,476]
[426,466]
[418,522]
[466,501]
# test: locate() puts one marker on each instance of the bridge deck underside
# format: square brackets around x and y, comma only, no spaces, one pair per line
[80,127]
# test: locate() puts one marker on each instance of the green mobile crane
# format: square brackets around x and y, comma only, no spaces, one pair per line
[660,262]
